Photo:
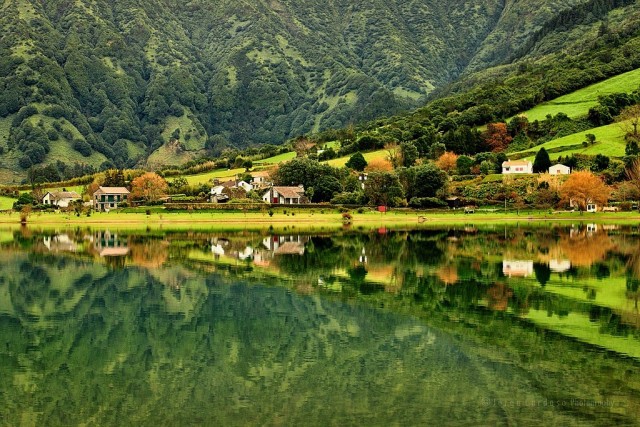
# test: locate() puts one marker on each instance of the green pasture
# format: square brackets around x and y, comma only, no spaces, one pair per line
[609,142]
[341,161]
[208,177]
[6,203]
[280,158]
[577,103]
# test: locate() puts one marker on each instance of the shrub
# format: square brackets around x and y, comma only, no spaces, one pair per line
[427,202]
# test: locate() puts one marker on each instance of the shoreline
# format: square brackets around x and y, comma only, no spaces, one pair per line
[301,219]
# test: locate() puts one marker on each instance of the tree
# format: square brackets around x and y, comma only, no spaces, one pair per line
[448,162]
[428,181]
[584,187]
[600,163]
[542,162]
[379,165]
[464,164]
[497,137]
[409,153]
[113,178]
[149,187]
[629,119]
[633,174]
[357,162]
[383,189]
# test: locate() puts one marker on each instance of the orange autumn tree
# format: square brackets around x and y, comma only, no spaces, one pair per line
[582,188]
[497,137]
[379,165]
[447,162]
[149,187]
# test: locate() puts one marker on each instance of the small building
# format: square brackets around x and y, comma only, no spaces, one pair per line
[559,169]
[453,202]
[285,195]
[107,198]
[511,167]
[61,199]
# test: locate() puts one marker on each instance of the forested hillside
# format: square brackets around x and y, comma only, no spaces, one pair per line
[95,84]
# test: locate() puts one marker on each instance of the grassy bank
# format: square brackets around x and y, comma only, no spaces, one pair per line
[291,219]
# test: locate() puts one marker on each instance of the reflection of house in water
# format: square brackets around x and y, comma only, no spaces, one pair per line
[110,244]
[60,243]
[517,268]
[218,247]
[592,228]
[363,257]
[285,245]
[559,266]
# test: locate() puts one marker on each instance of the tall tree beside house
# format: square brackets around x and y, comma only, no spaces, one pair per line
[113,178]
[149,187]
[582,188]
[357,162]
[542,162]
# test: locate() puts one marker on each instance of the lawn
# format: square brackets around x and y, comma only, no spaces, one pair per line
[208,177]
[280,158]
[577,103]
[609,142]
[341,161]
[6,203]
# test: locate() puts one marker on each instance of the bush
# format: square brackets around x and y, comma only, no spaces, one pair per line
[427,202]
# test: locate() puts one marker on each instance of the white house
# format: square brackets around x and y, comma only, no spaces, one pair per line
[517,166]
[559,169]
[61,199]
[245,186]
[285,195]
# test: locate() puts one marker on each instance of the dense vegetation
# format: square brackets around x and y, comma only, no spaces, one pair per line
[105,85]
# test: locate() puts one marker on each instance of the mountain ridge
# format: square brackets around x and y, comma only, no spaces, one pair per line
[119,76]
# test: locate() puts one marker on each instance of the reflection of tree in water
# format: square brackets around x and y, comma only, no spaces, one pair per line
[149,253]
[585,249]
[499,295]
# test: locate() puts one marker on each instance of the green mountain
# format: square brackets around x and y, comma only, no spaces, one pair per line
[120,83]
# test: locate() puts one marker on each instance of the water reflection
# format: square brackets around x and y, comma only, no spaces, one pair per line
[386,327]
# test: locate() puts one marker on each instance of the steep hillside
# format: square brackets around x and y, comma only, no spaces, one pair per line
[120,82]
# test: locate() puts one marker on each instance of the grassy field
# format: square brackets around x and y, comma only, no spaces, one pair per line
[280,158]
[341,161]
[208,177]
[577,103]
[6,203]
[609,142]
[300,219]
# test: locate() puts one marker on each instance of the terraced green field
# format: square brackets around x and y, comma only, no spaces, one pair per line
[609,142]
[577,103]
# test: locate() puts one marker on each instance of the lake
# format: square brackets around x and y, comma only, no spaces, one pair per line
[496,325]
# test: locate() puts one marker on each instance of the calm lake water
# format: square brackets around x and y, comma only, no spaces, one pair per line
[452,326]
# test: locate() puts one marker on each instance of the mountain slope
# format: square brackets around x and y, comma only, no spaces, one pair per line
[168,79]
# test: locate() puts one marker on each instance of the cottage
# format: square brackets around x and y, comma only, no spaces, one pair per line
[107,198]
[61,199]
[285,195]
[453,202]
[511,167]
[559,169]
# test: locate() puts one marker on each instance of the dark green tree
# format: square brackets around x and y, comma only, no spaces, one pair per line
[383,189]
[428,180]
[542,162]
[357,162]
